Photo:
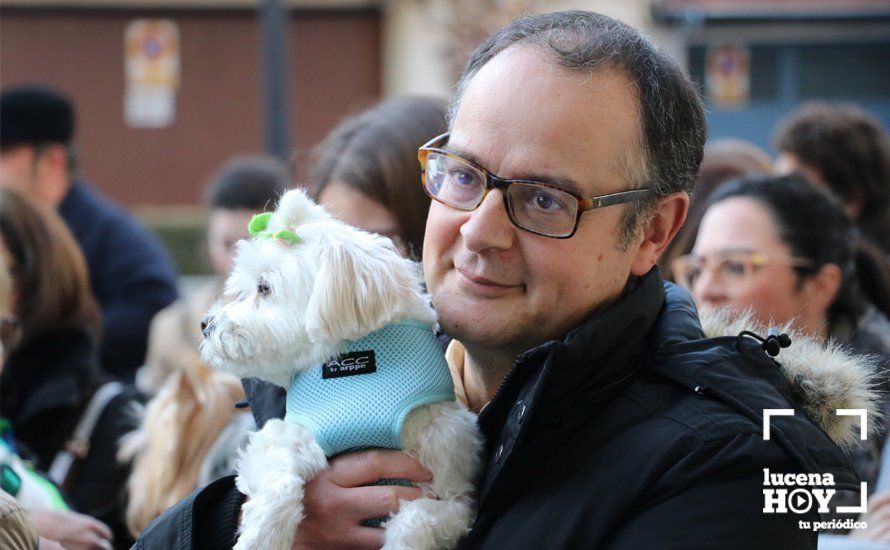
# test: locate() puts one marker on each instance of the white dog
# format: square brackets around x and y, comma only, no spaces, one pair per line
[335,315]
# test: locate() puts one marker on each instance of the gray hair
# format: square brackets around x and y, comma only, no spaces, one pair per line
[673,132]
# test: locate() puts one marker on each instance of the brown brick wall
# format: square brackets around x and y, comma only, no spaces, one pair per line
[335,70]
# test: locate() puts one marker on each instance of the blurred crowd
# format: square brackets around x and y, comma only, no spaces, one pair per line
[109,416]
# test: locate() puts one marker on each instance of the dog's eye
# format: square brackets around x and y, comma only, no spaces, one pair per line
[262,288]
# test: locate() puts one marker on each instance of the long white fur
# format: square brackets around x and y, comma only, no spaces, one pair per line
[337,284]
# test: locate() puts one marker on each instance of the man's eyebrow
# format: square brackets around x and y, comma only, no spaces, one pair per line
[564,183]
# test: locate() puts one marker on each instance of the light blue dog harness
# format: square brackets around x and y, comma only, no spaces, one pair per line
[361,398]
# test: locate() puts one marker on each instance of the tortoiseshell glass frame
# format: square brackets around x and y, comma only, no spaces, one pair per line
[495,182]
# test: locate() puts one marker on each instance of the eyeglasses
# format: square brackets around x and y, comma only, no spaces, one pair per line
[732,270]
[537,207]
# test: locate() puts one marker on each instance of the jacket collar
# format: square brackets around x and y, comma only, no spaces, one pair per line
[655,327]
[591,362]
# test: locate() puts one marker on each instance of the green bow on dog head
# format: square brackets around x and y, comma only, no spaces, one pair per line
[257,228]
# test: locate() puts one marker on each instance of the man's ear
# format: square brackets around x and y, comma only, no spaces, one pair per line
[51,159]
[51,173]
[659,230]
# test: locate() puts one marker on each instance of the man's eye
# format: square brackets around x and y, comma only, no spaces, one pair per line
[262,288]
[547,201]
[542,199]
[462,177]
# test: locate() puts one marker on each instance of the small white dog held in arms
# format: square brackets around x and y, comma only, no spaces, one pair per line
[338,317]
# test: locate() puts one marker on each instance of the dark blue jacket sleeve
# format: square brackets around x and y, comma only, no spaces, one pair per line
[130,274]
[133,280]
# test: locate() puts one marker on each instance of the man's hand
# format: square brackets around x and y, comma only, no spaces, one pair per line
[74,531]
[336,502]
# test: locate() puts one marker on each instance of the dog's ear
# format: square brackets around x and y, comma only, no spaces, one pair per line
[294,209]
[360,287]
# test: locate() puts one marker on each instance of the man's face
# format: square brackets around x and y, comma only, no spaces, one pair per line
[18,168]
[494,285]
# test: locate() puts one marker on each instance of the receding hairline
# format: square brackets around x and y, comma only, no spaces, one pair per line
[634,164]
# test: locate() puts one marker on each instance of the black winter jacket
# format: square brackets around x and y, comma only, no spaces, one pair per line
[635,431]
[45,386]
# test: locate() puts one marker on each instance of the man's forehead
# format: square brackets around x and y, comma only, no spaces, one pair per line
[563,181]
[521,116]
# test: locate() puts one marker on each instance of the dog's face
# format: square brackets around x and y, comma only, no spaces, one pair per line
[290,305]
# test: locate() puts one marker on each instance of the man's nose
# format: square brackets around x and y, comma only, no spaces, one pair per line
[206,325]
[489,226]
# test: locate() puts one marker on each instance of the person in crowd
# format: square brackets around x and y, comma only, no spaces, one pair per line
[573,146]
[759,249]
[130,274]
[66,414]
[192,430]
[846,150]
[32,505]
[724,160]
[16,530]
[365,172]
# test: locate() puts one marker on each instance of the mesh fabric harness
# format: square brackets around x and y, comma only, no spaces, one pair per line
[367,408]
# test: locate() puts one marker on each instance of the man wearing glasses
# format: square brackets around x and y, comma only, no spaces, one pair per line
[610,420]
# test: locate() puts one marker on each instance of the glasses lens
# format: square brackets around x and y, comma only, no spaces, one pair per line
[735,272]
[687,270]
[453,182]
[543,209]
[730,273]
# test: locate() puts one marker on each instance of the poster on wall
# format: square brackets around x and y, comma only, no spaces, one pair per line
[728,75]
[151,48]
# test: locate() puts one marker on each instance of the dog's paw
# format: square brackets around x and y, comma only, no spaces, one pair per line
[270,520]
[428,523]
[280,451]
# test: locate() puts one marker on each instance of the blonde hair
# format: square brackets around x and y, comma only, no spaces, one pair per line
[181,425]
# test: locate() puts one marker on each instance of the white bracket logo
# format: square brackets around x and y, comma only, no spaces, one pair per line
[861,413]
[775,494]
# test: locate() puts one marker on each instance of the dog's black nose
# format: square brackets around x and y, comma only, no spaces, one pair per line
[205,326]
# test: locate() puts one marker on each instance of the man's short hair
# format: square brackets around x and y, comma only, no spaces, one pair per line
[254,182]
[673,131]
[847,147]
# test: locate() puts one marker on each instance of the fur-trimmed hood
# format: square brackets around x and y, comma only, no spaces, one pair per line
[824,376]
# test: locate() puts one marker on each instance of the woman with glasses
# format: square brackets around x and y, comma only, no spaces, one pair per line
[784,250]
